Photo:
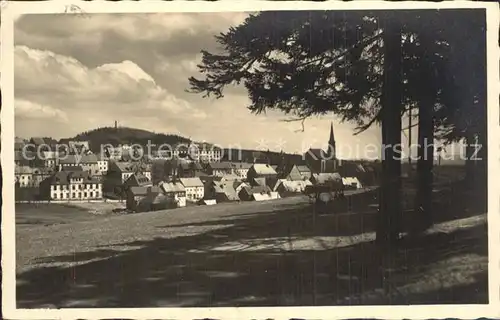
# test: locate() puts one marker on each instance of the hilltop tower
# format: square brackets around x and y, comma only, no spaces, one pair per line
[116,124]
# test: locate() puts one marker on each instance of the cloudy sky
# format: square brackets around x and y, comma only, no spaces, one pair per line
[76,73]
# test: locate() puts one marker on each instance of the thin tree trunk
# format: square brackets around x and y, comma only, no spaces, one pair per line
[470,141]
[425,163]
[389,220]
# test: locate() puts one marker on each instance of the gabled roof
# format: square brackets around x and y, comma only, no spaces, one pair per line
[265,196]
[19,140]
[303,169]
[239,184]
[143,191]
[169,187]
[264,169]
[64,177]
[72,168]
[125,166]
[102,157]
[221,165]
[138,178]
[242,165]
[323,178]
[226,188]
[23,170]
[350,180]
[256,189]
[293,186]
[259,181]
[77,159]
[191,182]
[77,174]
[229,177]
[59,178]
[294,175]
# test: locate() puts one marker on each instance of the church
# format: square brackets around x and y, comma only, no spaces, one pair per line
[323,161]
[326,161]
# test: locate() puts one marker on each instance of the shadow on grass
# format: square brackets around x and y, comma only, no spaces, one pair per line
[203,270]
[165,272]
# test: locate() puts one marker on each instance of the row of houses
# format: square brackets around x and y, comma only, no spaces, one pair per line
[183,180]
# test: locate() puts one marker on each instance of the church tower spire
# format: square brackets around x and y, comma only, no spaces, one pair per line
[331,145]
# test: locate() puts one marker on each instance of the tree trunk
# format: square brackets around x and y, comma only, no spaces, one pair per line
[389,220]
[470,142]
[425,163]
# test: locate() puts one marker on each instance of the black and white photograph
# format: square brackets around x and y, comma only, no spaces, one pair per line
[251,155]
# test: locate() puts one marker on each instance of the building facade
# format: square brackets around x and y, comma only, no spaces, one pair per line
[195,190]
[71,185]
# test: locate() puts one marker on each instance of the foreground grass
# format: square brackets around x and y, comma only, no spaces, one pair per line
[270,253]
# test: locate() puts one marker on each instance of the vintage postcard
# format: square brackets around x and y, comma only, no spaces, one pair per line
[250,160]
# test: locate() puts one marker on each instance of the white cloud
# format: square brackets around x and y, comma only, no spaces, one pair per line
[134,68]
[129,68]
[117,89]
[32,110]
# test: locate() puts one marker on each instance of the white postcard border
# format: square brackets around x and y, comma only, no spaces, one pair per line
[12,10]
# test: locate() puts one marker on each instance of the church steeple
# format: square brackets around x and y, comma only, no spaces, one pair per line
[331,144]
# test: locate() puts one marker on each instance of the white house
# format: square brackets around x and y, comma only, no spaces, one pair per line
[146,170]
[241,169]
[195,190]
[352,182]
[260,170]
[23,176]
[49,158]
[88,162]
[71,185]
[204,152]
[103,164]
[290,187]
[265,196]
[121,170]
[220,168]
[175,191]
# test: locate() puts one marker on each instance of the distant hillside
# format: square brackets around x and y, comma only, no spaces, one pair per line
[124,135]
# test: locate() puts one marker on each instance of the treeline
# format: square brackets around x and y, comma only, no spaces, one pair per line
[124,136]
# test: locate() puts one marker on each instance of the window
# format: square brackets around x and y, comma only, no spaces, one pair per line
[85,194]
[79,194]
[54,188]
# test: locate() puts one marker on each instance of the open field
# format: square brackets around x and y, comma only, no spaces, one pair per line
[254,253]
[29,215]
